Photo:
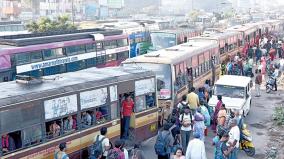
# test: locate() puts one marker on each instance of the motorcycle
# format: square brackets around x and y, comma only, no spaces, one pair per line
[270,84]
[246,142]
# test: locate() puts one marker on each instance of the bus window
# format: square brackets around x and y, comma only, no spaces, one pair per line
[36,56]
[123,55]
[53,129]
[52,53]
[114,110]
[32,135]
[69,124]
[99,46]
[111,57]
[11,141]
[122,42]
[74,50]
[102,114]
[23,58]
[87,119]
[110,44]
[140,103]
[91,47]
[150,100]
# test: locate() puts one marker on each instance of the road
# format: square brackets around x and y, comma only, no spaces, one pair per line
[258,122]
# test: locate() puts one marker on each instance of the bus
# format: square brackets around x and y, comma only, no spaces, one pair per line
[227,41]
[35,115]
[167,38]
[250,34]
[138,34]
[179,68]
[46,54]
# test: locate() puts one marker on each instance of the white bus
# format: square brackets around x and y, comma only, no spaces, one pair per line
[178,68]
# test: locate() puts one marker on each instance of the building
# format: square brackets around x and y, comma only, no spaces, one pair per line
[10,9]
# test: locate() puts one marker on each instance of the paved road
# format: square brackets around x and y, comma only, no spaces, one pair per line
[257,120]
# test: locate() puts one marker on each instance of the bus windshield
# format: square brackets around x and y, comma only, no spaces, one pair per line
[229,91]
[163,73]
[163,40]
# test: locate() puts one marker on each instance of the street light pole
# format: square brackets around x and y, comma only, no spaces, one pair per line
[72,11]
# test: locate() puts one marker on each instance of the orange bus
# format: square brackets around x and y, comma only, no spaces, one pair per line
[33,113]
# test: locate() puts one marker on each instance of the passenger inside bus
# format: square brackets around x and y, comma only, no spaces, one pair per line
[69,124]
[86,119]
[54,130]
[8,143]
[150,100]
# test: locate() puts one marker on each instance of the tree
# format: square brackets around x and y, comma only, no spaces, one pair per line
[45,24]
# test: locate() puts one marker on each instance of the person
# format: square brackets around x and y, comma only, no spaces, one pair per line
[201,95]
[86,120]
[61,153]
[8,143]
[215,115]
[263,65]
[164,142]
[205,113]
[222,114]
[196,148]
[222,151]
[179,154]
[116,152]
[275,75]
[239,118]
[137,153]
[207,90]
[223,68]
[234,138]
[246,67]
[102,141]
[258,81]
[68,124]
[181,105]
[281,63]
[258,54]
[193,100]
[199,126]
[230,67]
[127,109]
[54,129]
[186,120]
[124,150]
[250,52]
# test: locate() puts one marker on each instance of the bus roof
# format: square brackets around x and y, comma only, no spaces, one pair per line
[42,38]
[232,80]
[13,92]
[217,36]
[176,53]
[176,31]
[248,28]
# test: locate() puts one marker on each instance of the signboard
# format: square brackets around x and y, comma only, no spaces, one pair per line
[165,93]
[60,106]
[113,93]
[93,98]
[144,86]
[115,3]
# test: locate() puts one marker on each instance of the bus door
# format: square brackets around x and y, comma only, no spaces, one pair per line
[189,77]
[124,89]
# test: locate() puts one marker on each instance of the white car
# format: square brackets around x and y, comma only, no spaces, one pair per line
[235,92]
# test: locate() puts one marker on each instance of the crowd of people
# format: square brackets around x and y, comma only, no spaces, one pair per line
[193,116]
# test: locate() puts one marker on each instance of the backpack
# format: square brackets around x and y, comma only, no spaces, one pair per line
[97,148]
[162,143]
[181,110]
[113,154]
[191,121]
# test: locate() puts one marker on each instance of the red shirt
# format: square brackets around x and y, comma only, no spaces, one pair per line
[127,107]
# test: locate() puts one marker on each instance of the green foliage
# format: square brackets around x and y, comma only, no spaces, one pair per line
[45,24]
[278,115]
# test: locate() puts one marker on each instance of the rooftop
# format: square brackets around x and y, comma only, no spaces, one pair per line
[232,80]
[13,92]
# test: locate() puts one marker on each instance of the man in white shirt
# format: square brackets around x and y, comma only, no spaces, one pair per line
[196,148]
[234,138]
[186,119]
[105,142]
[275,76]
